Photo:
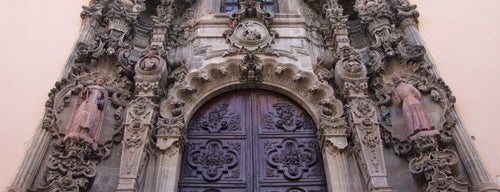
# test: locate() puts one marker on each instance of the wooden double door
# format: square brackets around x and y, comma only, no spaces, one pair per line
[252,140]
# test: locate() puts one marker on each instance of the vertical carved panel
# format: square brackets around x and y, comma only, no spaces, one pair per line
[215,158]
[288,150]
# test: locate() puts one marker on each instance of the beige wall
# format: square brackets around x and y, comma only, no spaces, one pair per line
[460,34]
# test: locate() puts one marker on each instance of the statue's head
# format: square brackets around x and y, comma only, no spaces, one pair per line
[100,80]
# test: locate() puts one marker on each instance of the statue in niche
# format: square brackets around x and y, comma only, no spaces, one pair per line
[87,118]
[409,98]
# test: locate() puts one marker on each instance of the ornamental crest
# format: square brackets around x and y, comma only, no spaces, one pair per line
[251,35]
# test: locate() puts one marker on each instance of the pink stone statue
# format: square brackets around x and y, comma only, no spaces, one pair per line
[408,97]
[87,118]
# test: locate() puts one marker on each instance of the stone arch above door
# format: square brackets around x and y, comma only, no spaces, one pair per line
[191,89]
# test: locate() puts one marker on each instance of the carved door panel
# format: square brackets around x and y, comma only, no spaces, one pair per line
[252,141]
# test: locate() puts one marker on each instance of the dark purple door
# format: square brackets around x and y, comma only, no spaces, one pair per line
[252,140]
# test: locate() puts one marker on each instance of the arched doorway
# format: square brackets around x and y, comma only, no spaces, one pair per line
[252,140]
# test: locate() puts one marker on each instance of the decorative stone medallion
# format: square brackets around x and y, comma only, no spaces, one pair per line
[251,35]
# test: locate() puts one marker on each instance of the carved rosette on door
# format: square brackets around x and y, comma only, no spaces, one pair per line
[252,141]
[290,158]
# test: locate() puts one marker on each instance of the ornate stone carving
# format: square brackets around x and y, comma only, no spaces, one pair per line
[377,17]
[140,116]
[168,135]
[409,51]
[251,68]
[114,46]
[291,158]
[249,27]
[251,35]
[406,13]
[72,168]
[78,143]
[438,168]
[229,73]
[212,160]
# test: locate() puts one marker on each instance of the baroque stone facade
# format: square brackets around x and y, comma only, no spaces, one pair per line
[384,119]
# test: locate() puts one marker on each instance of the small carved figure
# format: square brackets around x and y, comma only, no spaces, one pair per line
[86,121]
[149,62]
[408,97]
[352,65]
[251,33]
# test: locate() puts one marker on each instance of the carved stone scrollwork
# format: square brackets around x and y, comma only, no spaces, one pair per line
[291,158]
[281,75]
[377,17]
[72,168]
[251,68]
[406,13]
[213,159]
[168,135]
[409,51]
[438,168]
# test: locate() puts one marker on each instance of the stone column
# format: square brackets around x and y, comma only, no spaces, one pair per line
[169,160]
[362,118]
[351,77]
[139,119]
[334,142]
[90,21]
[32,161]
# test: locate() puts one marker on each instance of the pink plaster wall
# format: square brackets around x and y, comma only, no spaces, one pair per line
[37,37]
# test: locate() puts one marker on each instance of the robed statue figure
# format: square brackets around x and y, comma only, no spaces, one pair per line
[87,118]
[408,98]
